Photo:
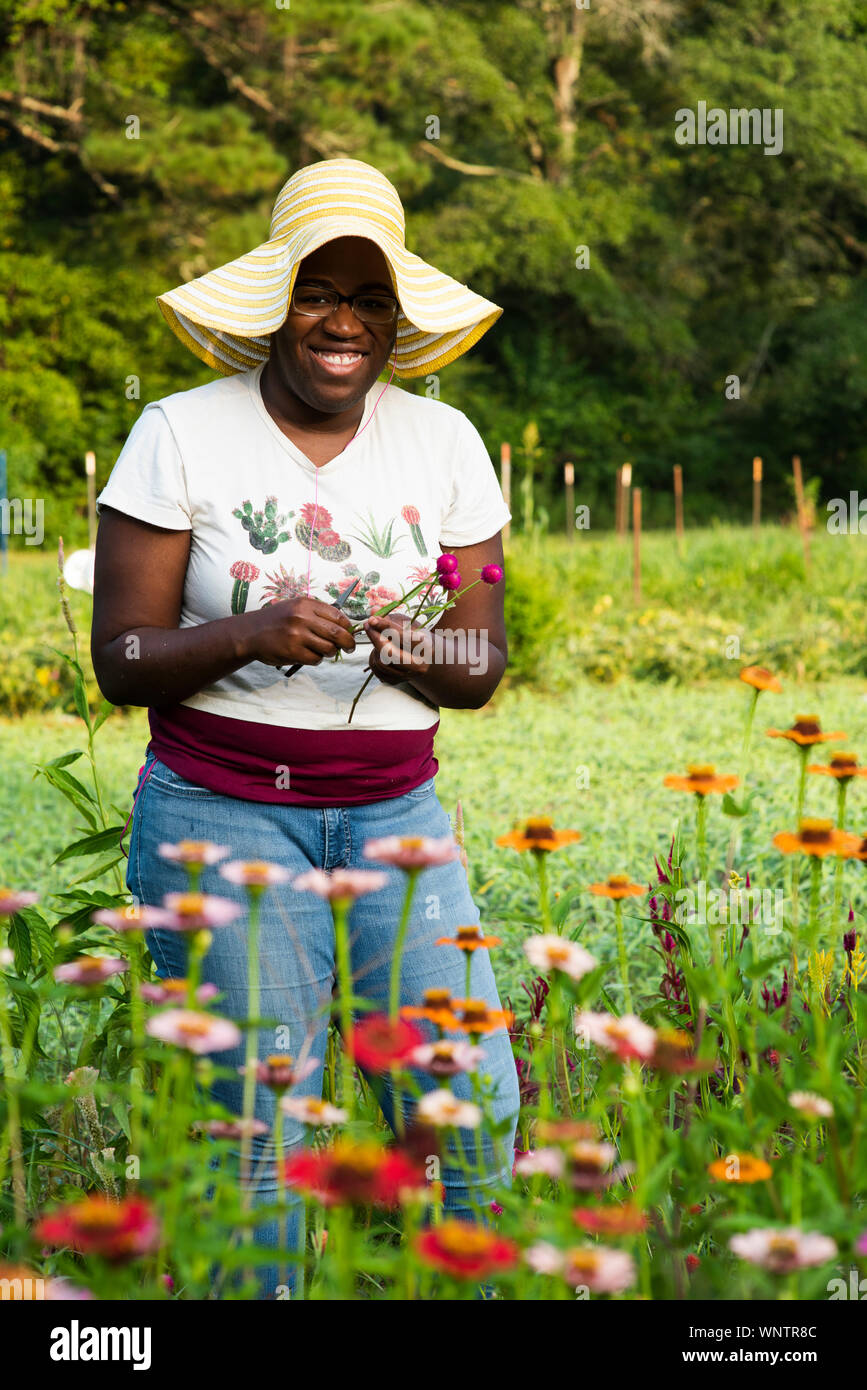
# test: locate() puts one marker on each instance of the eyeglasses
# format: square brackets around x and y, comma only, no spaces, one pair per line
[317,303]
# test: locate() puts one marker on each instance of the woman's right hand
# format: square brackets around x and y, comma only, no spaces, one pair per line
[294,630]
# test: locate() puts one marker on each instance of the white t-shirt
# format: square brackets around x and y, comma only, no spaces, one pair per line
[417,477]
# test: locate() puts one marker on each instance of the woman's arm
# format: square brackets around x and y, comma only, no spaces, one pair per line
[466,666]
[141,656]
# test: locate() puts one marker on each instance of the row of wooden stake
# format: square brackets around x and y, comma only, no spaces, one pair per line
[622,489]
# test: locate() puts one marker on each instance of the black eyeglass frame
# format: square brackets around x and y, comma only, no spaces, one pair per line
[338,299]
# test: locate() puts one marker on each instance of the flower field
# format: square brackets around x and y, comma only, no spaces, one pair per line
[671,886]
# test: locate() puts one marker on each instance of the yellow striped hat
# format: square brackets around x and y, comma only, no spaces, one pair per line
[225,317]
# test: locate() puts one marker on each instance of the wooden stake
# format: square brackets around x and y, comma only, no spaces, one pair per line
[636,545]
[618,502]
[90,470]
[569,481]
[802,510]
[625,483]
[678,502]
[757,494]
[506,483]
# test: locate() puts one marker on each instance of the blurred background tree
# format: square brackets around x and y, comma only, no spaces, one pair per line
[143,143]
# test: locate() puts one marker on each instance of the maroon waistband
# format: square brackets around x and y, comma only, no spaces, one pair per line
[293,767]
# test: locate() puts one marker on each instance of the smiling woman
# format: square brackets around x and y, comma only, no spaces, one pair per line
[297,453]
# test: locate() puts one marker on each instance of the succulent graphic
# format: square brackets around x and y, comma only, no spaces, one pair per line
[412,518]
[284,585]
[243,574]
[380,542]
[315,528]
[263,527]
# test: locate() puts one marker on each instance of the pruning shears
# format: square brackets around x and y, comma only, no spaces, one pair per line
[338,603]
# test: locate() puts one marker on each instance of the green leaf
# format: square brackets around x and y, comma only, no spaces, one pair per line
[42,933]
[72,789]
[100,866]
[66,758]
[79,695]
[733,808]
[105,709]
[19,940]
[99,843]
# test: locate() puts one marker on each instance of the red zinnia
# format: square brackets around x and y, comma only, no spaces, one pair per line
[100,1226]
[355,1174]
[378,1044]
[465,1250]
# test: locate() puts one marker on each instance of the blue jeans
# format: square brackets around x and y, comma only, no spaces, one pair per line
[297,957]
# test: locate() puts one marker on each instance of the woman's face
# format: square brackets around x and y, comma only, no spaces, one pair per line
[331,363]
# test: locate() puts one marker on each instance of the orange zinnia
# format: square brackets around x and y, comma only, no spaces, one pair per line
[538,834]
[747,1167]
[805,731]
[565,1131]
[617,886]
[843,766]
[760,679]
[476,1017]
[818,837]
[437,1006]
[468,939]
[622,1220]
[700,779]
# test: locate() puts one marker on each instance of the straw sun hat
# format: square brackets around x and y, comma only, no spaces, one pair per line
[225,317]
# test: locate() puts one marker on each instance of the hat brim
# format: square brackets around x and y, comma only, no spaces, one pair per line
[226,316]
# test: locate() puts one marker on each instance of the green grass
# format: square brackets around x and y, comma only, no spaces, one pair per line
[729,596]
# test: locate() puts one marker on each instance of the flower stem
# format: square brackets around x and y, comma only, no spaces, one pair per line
[621,954]
[340,909]
[399,941]
[251,1053]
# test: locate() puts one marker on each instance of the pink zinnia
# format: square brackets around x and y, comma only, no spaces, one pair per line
[12,901]
[89,970]
[411,852]
[199,911]
[280,1071]
[254,873]
[195,851]
[625,1036]
[175,992]
[341,885]
[550,1162]
[238,1128]
[782,1251]
[316,1113]
[446,1058]
[197,1032]
[131,918]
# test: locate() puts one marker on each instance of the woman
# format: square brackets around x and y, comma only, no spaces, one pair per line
[235,515]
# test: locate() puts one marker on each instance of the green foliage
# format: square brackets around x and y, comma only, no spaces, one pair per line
[705,262]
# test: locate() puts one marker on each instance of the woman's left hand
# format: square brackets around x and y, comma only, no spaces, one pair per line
[397,653]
